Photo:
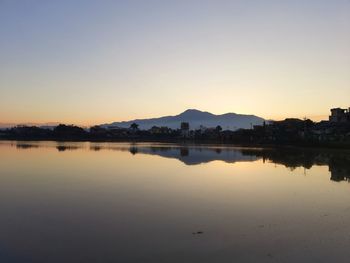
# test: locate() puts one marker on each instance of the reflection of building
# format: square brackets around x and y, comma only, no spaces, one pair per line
[340,115]
[339,174]
[340,168]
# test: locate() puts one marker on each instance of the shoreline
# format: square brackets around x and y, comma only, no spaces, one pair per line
[189,142]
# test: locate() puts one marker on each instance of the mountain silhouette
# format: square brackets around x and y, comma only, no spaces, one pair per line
[196,118]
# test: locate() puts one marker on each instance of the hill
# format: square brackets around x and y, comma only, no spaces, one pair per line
[196,118]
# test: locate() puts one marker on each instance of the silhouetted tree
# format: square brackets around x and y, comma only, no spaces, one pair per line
[134,126]
[218,128]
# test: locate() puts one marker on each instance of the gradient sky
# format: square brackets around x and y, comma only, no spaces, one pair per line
[88,62]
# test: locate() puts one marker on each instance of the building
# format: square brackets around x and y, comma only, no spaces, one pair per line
[185,129]
[340,115]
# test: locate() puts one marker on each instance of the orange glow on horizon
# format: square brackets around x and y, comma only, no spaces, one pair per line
[90,122]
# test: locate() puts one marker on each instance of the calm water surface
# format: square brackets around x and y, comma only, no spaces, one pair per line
[120,202]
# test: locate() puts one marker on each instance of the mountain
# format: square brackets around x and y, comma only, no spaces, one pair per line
[196,118]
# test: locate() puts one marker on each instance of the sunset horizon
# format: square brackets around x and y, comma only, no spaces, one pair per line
[315,118]
[202,131]
[88,63]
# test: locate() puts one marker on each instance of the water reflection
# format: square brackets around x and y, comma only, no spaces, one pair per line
[25,146]
[100,202]
[338,161]
[62,148]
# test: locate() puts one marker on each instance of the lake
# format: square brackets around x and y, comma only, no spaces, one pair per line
[125,202]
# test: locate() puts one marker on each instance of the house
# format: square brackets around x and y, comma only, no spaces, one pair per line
[339,115]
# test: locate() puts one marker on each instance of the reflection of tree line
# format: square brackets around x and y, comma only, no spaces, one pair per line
[337,161]
[59,147]
[62,148]
[25,146]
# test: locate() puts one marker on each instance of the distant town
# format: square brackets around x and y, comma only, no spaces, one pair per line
[335,132]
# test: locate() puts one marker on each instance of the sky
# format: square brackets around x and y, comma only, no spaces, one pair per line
[91,62]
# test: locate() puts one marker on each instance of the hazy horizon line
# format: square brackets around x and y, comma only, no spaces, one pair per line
[6,124]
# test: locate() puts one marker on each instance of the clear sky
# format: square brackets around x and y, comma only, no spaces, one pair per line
[88,62]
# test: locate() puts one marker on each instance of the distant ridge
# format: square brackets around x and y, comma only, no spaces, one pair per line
[196,118]
[49,125]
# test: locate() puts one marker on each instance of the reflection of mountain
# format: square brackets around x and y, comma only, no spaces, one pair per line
[337,161]
[197,155]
